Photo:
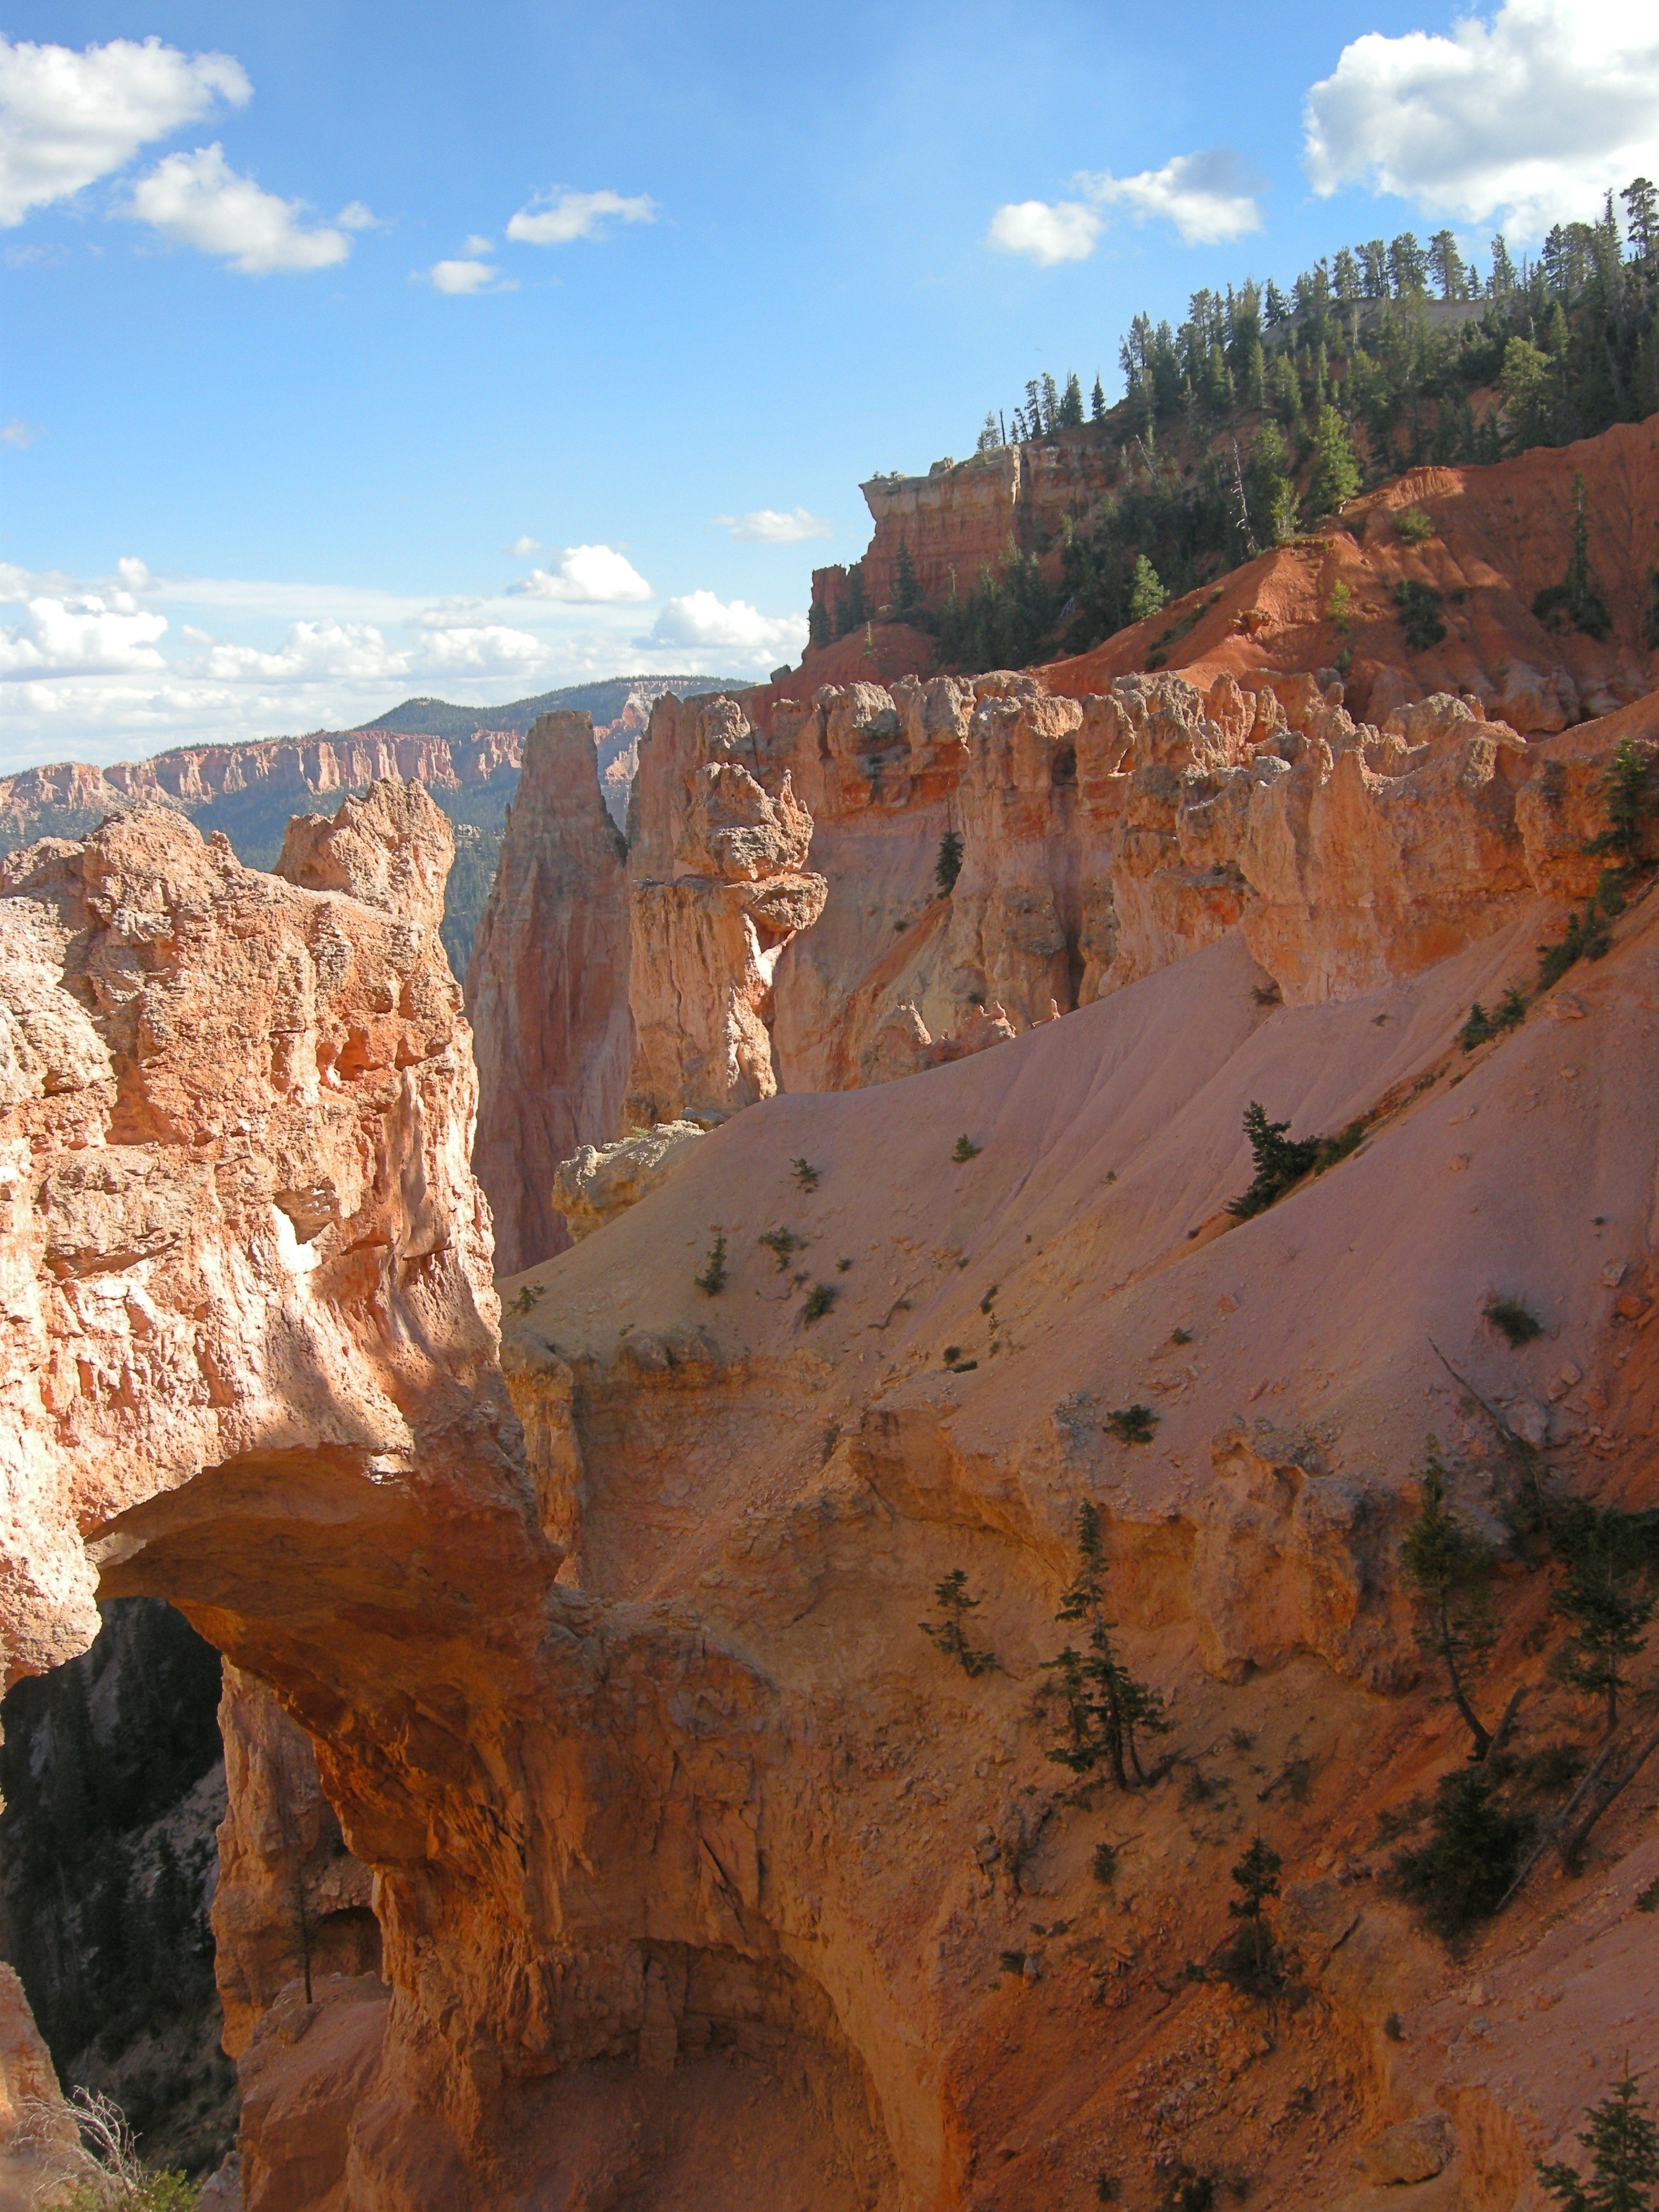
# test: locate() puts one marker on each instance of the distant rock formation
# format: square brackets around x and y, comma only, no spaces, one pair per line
[548,990]
[601,1182]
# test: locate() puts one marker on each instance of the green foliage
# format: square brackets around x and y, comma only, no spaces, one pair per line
[964,1149]
[1647,1900]
[1581,940]
[1281,1161]
[1605,1600]
[1133,1424]
[1103,1705]
[1450,1565]
[818,627]
[948,865]
[1625,787]
[819,1299]
[782,1244]
[907,592]
[949,1634]
[1463,1872]
[1514,1321]
[530,1296]
[1252,1962]
[1478,1029]
[1623,2144]
[1418,607]
[1412,526]
[1511,1008]
[805,1174]
[1103,1864]
[1146,593]
[1335,475]
[713,1277]
[1574,602]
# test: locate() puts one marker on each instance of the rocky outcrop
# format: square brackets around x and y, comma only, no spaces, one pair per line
[717,890]
[598,1182]
[548,990]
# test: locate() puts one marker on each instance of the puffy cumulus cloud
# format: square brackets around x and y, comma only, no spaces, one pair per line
[587,575]
[770,525]
[523,547]
[198,199]
[1433,118]
[559,218]
[67,118]
[462,278]
[1207,198]
[311,650]
[1045,233]
[134,573]
[84,636]
[705,623]
[481,649]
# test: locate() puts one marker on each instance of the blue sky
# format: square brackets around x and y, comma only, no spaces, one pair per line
[312,319]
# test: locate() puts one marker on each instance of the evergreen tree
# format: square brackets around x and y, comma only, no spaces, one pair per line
[989,438]
[1608,1609]
[1335,471]
[1641,218]
[1146,593]
[1098,401]
[1446,264]
[1071,405]
[1408,265]
[857,606]
[1374,268]
[817,623]
[1104,1705]
[1273,309]
[1529,387]
[1269,491]
[907,590]
[1051,405]
[1503,280]
[1624,2147]
[948,864]
[1449,1565]
[950,1633]
[1252,1962]
[1345,275]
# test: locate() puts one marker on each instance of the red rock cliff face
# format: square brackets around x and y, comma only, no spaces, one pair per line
[548,989]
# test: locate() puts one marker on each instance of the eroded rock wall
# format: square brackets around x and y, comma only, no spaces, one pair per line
[548,990]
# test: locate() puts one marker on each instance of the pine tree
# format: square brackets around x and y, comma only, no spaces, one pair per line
[948,864]
[817,623]
[907,590]
[1252,1961]
[1503,280]
[950,1633]
[1098,401]
[988,438]
[1374,267]
[1449,1563]
[1408,265]
[1146,593]
[1104,1704]
[1624,2147]
[1071,405]
[1608,1609]
[1335,471]
[1641,218]
[1446,264]
[857,605]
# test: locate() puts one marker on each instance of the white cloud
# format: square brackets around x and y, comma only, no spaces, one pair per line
[521,548]
[1206,196]
[18,433]
[80,637]
[312,649]
[198,199]
[768,526]
[591,575]
[354,216]
[462,279]
[1435,119]
[134,573]
[67,118]
[702,621]
[481,650]
[557,218]
[1064,232]
[477,243]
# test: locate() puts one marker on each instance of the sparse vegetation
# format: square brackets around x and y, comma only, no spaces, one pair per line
[1281,1161]
[1252,1961]
[530,1295]
[1104,1705]
[948,864]
[1581,940]
[1418,608]
[1514,1321]
[805,1174]
[1606,1601]
[1623,2144]
[1412,526]
[1647,1900]
[1463,1873]
[1450,1565]
[1574,603]
[965,1149]
[101,2170]
[1626,788]
[819,1300]
[715,1276]
[1102,1865]
[1132,1424]
[949,1634]
[782,1244]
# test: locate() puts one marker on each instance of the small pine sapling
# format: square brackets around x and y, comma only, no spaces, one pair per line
[782,1244]
[1511,1008]
[713,1277]
[1581,940]
[805,1173]
[1605,1600]
[965,1149]
[819,1299]
[1478,1029]
[1624,2147]
[948,865]
[949,1634]
[1104,1705]
[1412,526]
[1625,789]
[529,1295]
[1281,1161]
[1464,1870]
[1448,1566]
[1251,1961]
[1133,1424]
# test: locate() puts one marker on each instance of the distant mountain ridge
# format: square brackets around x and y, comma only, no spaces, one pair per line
[468,758]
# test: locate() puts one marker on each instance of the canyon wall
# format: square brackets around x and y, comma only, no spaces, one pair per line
[547,989]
